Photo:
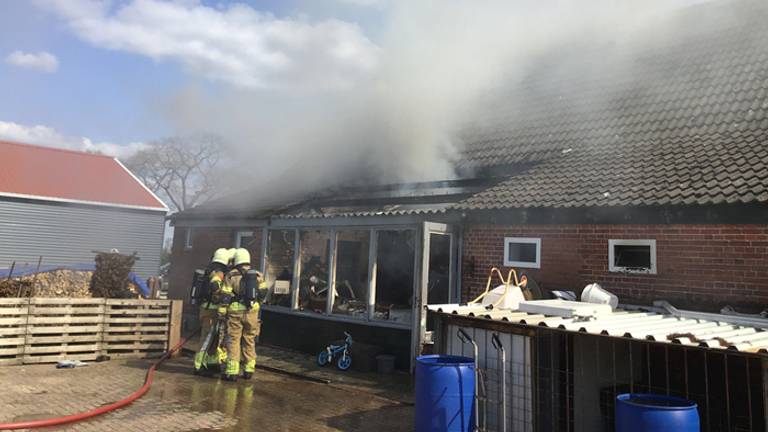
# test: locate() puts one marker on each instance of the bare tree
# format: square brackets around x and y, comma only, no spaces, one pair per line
[179,169]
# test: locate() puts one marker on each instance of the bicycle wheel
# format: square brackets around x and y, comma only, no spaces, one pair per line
[344,362]
[323,358]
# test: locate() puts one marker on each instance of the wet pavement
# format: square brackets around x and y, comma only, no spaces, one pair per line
[179,401]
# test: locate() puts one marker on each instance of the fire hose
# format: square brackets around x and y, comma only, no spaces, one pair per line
[54,421]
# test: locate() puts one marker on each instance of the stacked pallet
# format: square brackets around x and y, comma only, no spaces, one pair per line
[136,329]
[13,315]
[46,330]
[63,329]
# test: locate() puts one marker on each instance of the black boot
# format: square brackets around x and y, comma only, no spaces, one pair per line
[231,378]
[247,375]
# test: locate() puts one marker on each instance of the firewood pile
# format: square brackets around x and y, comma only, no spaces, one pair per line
[57,283]
[15,288]
[110,279]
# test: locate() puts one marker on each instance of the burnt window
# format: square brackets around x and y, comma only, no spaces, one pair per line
[632,256]
[522,252]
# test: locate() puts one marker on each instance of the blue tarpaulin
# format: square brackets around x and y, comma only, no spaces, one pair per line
[32,269]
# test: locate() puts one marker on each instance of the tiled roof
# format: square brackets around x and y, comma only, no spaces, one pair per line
[679,120]
[34,172]
[698,329]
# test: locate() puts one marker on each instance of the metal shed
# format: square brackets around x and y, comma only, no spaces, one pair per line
[63,205]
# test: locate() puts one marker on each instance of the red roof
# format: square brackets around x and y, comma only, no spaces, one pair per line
[31,171]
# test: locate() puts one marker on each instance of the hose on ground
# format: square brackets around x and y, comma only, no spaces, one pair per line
[55,421]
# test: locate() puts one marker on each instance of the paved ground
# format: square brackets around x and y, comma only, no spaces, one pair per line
[179,401]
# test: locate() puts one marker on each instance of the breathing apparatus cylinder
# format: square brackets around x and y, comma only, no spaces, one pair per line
[199,287]
[249,287]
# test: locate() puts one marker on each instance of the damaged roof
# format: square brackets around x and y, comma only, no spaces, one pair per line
[682,120]
[677,118]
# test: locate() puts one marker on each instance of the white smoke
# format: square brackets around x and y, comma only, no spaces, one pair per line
[400,123]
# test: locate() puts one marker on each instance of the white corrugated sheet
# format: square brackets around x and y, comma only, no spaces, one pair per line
[694,329]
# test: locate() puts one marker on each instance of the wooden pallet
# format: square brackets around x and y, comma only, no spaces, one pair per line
[13,313]
[136,330]
[46,330]
[63,329]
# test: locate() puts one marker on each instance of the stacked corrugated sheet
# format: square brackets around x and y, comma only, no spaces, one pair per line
[653,324]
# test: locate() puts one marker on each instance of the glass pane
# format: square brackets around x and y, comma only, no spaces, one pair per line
[394,275]
[633,257]
[438,286]
[351,296]
[253,244]
[280,248]
[522,252]
[313,280]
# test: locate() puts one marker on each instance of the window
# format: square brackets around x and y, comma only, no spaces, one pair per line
[395,254]
[248,240]
[439,280]
[279,268]
[188,238]
[522,252]
[351,294]
[632,256]
[313,280]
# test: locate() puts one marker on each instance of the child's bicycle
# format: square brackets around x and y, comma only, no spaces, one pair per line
[331,351]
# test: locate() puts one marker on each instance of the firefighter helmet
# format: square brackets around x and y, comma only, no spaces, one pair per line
[242,256]
[222,256]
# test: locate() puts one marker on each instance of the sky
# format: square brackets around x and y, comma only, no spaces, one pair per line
[99,76]
[114,75]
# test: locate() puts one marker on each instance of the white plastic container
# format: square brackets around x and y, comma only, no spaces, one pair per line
[594,293]
[511,300]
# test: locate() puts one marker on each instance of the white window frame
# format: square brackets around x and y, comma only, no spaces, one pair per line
[612,243]
[239,237]
[188,239]
[524,240]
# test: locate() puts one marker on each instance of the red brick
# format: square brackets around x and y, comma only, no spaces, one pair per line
[698,265]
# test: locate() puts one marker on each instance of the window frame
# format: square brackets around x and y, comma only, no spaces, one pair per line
[372,230]
[188,237]
[239,237]
[651,243]
[522,240]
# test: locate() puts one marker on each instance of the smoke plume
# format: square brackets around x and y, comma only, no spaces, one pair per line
[437,63]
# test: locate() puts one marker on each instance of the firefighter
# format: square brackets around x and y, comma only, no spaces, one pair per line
[243,323]
[209,310]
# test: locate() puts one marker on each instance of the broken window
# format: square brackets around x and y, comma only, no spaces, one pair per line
[632,256]
[279,268]
[522,252]
[351,293]
[395,254]
[313,280]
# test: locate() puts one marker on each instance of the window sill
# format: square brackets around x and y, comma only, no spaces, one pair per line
[338,318]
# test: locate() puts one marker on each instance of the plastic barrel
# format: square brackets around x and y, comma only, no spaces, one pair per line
[445,393]
[641,412]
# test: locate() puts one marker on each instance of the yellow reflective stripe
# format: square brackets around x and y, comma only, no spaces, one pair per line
[237,306]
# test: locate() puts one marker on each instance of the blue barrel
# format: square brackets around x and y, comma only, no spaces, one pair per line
[640,412]
[445,393]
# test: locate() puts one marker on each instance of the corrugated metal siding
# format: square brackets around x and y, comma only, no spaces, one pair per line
[67,235]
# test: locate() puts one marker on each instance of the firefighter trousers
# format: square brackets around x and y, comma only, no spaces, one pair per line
[208,317]
[243,327]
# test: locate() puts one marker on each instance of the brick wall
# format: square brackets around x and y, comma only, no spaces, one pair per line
[699,266]
[184,261]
